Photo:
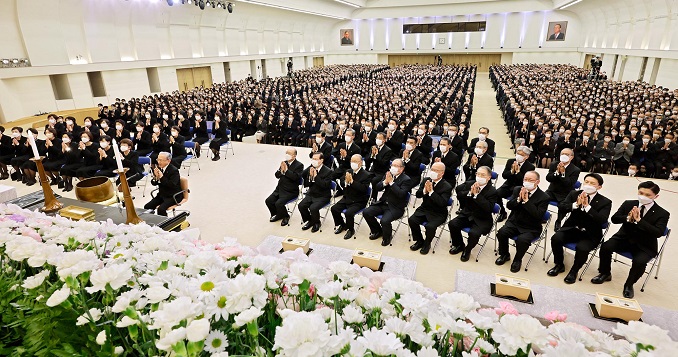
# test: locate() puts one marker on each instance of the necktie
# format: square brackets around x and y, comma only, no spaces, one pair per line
[642,211]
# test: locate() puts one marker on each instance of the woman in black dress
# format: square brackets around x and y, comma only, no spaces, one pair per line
[91,160]
[546,149]
[106,157]
[55,157]
[200,131]
[177,144]
[220,137]
[159,141]
[72,160]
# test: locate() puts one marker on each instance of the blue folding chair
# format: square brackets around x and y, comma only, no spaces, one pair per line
[442,227]
[333,190]
[227,145]
[291,205]
[576,186]
[493,178]
[145,162]
[422,168]
[495,215]
[190,157]
[654,263]
[400,220]
[360,212]
[573,247]
[539,241]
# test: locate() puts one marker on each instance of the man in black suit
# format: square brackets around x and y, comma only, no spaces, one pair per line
[479,199]
[483,135]
[513,174]
[479,157]
[457,143]
[562,177]
[321,146]
[167,178]
[394,137]
[317,178]
[288,175]
[379,161]
[413,159]
[447,156]
[528,204]
[391,206]
[434,192]
[589,211]
[643,222]
[424,143]
[355,183]
[344,152]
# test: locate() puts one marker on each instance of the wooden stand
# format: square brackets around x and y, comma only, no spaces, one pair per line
[132,217]
[51,204]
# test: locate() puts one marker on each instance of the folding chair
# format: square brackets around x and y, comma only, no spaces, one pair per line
[295,201]
[190,157]
[400,220]
[495,215]
[493,179]
[227,145]
[539,241]
[654,263]
[439,233]
[145,162]
[333,190]
[360,212]
[592,254]
[422,168]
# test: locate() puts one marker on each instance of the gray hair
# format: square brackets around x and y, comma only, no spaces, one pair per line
[535,173]
[167,155]
[350,131]
[524,149]
[482,144]
[485,168]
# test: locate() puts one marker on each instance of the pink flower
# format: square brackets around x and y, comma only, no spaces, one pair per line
[506,308]
[229,252]
[30,232]
[555,316]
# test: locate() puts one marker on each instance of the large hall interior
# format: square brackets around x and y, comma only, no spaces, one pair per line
[338,177]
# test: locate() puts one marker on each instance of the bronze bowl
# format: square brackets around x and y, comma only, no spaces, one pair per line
[94,189]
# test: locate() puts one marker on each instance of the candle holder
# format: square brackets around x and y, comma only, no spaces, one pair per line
[51,204]
[132,217]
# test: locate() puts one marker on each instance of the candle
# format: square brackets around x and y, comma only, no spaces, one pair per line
[118,159]
[31,140]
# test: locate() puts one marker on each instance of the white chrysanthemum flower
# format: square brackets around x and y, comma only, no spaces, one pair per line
[300,271]
[156,294]
[485,347]
[398,326]
[566,331]
[197,330]
[380,342]
[215,306]
[457,303]
[640,332]
[483,319]
[353,315]
[172,313]
[566,348]
[85,318]
[36,280]
[330,289]
[349,294]
[117,275]
[43,253]
[401,286]
[248,316]
[516,332]
[59,296]
[118,350]
[101,338]
[165,342]
[76,262]
[414,304]
[246,291]
[427,352]
[302,334]
[216,342]
[610,345]
[463,328]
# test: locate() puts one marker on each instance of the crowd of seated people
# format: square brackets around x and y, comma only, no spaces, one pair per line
[624,128]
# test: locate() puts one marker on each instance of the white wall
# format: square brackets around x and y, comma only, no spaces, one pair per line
[573,58]
[668,74]
[352,59]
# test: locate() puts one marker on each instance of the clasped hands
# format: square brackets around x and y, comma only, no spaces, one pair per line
[634,214]
[349,178]
[583,200]
[524,195]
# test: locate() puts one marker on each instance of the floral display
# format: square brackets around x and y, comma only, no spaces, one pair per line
[99,289]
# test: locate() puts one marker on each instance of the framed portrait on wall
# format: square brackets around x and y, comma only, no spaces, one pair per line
[346,37]
[556,31]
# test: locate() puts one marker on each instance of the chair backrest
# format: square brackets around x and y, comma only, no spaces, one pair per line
[183,181]
[496,209]
[577,185]
[422,167]
[144,160]
[228,132]
[450,202]
[189,144]
[457,171]
[547,216]
[494,154]
[210,126]
[494,175]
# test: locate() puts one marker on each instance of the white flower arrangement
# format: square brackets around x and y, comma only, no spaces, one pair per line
[137,290]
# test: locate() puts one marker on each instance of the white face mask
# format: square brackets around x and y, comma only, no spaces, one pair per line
[318,140]
[197,117]
[103,145]
[355,166]
[420,131]
[69,122]
[66,140]
[632,172]
[478,151]
[104,126]
[646,140]
[626,142]
[368,129]
[52,121]
[88,124]
[528,185]
[607,140]
[644,200]
[585,137]
[124,148]
[379,142]
[409,147]
[532,137]
[391,127]
[565,158]
[432,175]
[482,136]
[520,158]
[315,163]
[348,138]
[156,130]
[589,189]
[452,133]
[288,157]
[481,180]
[148,116]
[394,171]
[84,140]
[443,148]
[16,135]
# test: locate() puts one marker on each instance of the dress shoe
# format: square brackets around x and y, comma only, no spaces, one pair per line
[628,291]
[30,182]
[386,242]
[515,266]
[503,258]
[502,216]
[457,249]
[375,236]
[571,277]
[559,268]
[601,278]
[466,255]
[285,221]
[416,246]
[306,226]
[424,250]
[338,229]
[349,234]
[316,227]
[274,218]
[4,177]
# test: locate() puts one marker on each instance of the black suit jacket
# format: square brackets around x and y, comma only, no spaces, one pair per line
[458,145]
[356,192]
[345,163]
[478,209]
[561,185]
[131,161]
[485,160]
[425,147]
[589,222]
[644,233]
[318,187]
[412,165]
[380,163]
[436,203]
[288,182]
[326,150]
[452,162]
[396,141]
[528,216]
[490,145]
[513,180]
[169,184]
[395,194]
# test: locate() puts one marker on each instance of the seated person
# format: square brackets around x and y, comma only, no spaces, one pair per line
[480,157]
[643,222]
[354,183]
[479,198]
[168,180]
[106,157]
[176,142]
[130,160]
[220,137]
[450,158]
[434,192]
[287,189]
[412,158]
[391,205]
[528,205]
[378,162]
[589,211]
[604,153]
[142,140]
[562,177]
[72,160]
[159,142]
[513,174]
[317,178]
[91,158]
[345,151]
[323,147]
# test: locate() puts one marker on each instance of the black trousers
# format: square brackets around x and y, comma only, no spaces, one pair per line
[160,204]
[388,215]
[619,244]
[561,213]
[276,203]
[309,208]
[87,171]
[474,233]
[585,244]
[433,221]
[70,169]
[217,142]
[351,210]
[523,240]
[503,192]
